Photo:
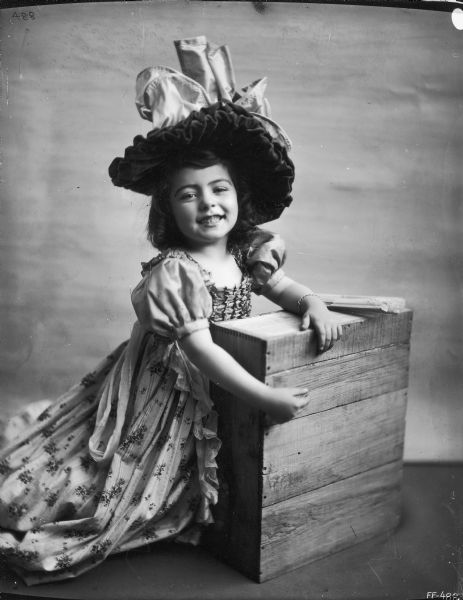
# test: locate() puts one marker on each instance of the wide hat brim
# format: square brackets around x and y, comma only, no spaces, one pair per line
[234,134]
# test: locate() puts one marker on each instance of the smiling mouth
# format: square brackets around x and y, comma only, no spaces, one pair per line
[211,220]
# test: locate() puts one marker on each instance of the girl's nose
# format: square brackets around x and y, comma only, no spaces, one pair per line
[206,199]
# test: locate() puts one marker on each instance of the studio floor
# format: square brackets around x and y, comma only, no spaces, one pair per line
[424,555]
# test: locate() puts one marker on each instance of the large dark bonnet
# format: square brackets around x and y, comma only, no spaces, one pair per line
[232,133]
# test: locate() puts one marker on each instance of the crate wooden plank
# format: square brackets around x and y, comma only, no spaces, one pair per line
[237,540]
[319,449]
[275,343]
[348,378]
[337,516]
[294,351]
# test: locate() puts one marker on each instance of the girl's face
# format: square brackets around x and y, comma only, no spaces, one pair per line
[204,204]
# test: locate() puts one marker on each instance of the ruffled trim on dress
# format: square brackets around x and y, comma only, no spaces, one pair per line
[205,427]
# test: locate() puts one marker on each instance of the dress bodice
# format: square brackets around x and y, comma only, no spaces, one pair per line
[231,303]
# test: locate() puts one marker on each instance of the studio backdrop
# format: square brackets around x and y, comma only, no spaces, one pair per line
[372,98]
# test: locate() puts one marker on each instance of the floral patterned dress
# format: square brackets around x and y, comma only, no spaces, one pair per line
[127,456]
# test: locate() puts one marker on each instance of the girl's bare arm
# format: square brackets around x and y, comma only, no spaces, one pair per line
[281,404]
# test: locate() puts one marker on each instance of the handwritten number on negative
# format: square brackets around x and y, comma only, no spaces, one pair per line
[23,16]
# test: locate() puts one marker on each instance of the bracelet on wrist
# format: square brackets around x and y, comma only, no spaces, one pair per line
[301,299]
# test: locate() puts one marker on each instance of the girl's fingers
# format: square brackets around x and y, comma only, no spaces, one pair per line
[328,343]
[305,321]
[321,338]
[303,392]
[328,335]
[336,333]
[302,399]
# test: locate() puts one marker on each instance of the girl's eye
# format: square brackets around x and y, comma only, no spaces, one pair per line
[188,196]
[220,189]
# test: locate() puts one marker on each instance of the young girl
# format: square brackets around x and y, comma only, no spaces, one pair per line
[127,456]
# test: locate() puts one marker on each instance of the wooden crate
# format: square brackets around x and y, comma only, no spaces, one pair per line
[331,477]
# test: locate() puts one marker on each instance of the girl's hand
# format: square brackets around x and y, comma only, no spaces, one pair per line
[282,404]
[298,299]
[316,313]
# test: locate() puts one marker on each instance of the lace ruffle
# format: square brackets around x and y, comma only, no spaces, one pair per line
[205,426]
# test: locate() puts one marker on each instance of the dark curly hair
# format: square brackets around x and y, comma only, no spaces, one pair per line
[162,229]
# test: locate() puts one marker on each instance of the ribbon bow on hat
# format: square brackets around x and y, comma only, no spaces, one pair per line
[165,96]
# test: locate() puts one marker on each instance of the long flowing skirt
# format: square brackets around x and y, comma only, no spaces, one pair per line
[124,458]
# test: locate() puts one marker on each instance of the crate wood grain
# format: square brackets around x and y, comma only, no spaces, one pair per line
[331,518]
[296,492]
[349,378]
[321,448]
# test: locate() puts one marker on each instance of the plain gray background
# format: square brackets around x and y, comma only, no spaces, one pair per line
[372,98]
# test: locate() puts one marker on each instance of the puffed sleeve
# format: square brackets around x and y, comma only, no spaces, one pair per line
[172,299]
[265,257]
